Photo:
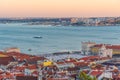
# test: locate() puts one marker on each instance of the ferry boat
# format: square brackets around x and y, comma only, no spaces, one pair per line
[37,37]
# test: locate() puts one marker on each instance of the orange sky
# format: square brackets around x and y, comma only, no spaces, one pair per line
[59,8]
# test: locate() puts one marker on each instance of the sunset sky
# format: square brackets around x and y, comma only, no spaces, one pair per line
[59,8]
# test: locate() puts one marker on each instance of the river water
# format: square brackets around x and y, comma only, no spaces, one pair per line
[54,39]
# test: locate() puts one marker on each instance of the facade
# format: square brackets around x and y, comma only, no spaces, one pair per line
[115,49]
[86,46]
[103,52]
[95,49]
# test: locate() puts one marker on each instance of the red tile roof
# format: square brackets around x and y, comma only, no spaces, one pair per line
[113,47]
[20,68]
[98,45]
[19,74]
[60,62]
[35,72]
[2,53]
[1,77]
[108,46]
[26,78]
[81,64]
[96,73]
[72,69]
[22,57]
[32,66]
[86,71]
[6,60]
[57,79]
[89,58]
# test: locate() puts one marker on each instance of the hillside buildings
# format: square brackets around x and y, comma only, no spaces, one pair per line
[96,21]
[97,61]
[75,21]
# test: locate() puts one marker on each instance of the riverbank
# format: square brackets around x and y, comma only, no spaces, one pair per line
[74,21]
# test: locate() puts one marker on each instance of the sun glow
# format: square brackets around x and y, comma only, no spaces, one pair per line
[59,8]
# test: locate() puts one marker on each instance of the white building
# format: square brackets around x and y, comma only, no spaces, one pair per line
[103,52]
[13,49]
[86,46]
[105,74]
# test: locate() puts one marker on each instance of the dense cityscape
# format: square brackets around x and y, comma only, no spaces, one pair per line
[93,62]
[92,21]
[59,40]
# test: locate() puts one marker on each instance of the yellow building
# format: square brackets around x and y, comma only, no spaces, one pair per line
[115,51]
[47,63]
[3,55]
[95,50]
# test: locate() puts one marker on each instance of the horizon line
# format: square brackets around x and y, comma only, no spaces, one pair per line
[63,17]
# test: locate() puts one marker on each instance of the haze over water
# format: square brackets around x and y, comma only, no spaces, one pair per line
[54,39]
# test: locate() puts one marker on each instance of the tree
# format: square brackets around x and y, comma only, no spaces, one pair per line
[94,78]
[84,76]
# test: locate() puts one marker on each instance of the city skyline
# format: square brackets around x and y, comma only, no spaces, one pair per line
[61,8]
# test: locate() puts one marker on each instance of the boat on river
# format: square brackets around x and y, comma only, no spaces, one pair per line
[38,37]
